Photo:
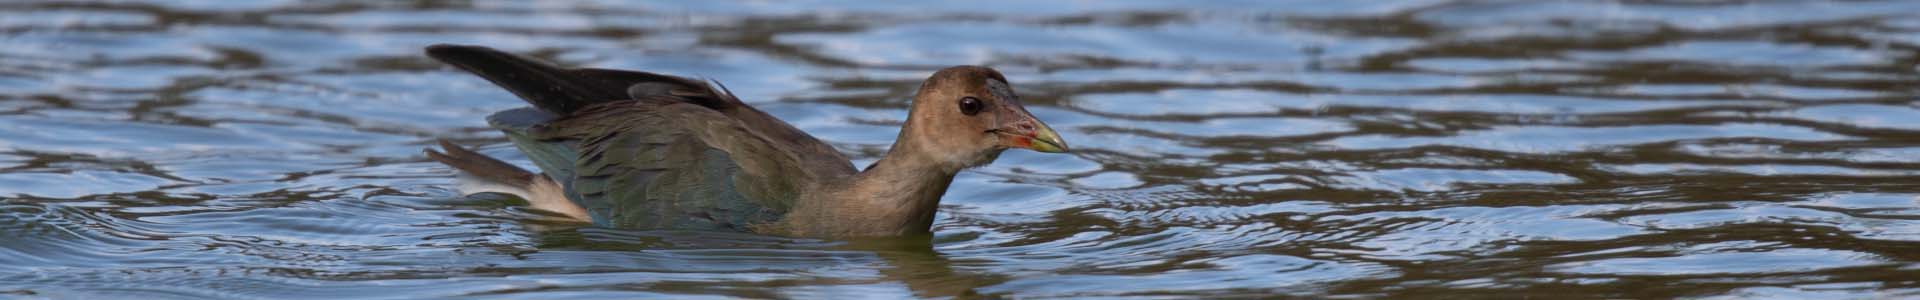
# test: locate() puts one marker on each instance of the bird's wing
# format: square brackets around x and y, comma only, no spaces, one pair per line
[648,150]
[562,91]
[662,164]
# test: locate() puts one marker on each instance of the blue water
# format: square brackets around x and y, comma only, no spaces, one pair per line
[1259,149]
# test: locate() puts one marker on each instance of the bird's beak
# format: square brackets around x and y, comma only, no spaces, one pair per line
[1022,130]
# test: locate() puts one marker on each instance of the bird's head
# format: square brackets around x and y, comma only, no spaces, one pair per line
[967,115]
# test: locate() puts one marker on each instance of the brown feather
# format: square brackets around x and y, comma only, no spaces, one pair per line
[481,165]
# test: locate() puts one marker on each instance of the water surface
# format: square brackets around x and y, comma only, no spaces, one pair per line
[1546,149]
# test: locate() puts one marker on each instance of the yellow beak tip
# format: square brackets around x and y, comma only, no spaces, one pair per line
[1049,148]
[1049,142]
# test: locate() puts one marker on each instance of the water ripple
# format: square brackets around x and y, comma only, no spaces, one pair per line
[1406,149]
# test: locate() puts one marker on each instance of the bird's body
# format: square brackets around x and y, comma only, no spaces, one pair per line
[631,149]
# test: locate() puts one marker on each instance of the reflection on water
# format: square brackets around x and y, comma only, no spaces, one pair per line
[1722,149]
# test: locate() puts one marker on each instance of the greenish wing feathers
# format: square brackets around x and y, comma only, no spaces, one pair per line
[554,157]
[647,150]
[665,164]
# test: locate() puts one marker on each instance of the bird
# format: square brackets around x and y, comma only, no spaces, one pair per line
[640,150]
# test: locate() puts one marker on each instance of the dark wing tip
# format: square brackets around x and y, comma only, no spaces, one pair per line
[441,51]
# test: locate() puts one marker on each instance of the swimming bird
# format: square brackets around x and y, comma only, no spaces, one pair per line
[640,150]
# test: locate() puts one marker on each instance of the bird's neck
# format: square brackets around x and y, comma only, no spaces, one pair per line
[895,196]
[904,187]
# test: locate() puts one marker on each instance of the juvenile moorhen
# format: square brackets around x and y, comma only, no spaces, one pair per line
[631,149]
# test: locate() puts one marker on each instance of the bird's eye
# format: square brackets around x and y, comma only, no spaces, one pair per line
[971,105]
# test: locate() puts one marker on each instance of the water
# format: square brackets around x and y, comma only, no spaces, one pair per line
[1545,149]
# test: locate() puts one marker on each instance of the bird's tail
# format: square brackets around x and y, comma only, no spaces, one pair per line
[480,173]
[561,91]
